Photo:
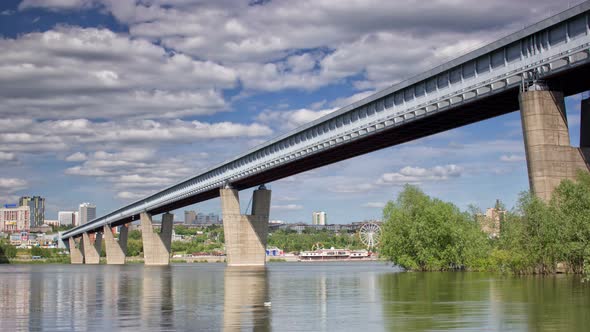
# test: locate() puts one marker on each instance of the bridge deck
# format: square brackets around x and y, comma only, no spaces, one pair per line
[476,86]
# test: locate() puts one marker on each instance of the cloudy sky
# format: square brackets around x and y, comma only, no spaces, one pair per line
[106,101]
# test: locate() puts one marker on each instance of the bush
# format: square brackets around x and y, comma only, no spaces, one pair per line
[427,234]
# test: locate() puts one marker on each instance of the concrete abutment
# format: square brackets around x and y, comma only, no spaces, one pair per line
[245,235]
[91,246]
[75,248]
[156,247]
[550,157]
[115,250]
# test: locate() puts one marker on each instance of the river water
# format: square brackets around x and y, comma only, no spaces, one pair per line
[299,297]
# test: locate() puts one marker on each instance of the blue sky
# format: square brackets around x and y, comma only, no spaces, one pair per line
[106,101]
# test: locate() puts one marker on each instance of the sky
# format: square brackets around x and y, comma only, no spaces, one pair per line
[107,101]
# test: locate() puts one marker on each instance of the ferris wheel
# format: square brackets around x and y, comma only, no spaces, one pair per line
[370,234]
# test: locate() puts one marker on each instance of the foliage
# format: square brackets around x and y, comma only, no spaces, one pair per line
[41,252]
[135,235]
[134,247]
[427,234]
[291,241]
[423,233]
[7,252]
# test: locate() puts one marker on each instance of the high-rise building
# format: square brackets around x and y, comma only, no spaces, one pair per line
[86,213]
[36,206]
[190,217]
[66,218]
[212,218]
[319,218]
[76,221]
[15,219]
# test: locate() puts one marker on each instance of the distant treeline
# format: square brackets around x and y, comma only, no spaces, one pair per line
[426,234]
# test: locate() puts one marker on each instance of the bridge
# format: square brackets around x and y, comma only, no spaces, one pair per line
[530,70]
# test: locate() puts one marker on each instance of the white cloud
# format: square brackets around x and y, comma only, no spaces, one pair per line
[374,205]
[288,207]
[62,135]
[73,72]
[7,156]
[78,156]
[513,158]
[288,120]
[414,175]
[11,185]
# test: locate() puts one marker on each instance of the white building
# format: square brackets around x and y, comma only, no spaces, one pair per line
[86,213]
[319,218]
[66,218]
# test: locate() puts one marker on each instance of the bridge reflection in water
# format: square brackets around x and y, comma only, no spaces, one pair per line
[305,297]
[246,299]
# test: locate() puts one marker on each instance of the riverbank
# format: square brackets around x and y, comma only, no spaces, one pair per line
[191,260]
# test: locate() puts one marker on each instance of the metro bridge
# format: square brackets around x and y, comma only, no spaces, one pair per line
[530,70]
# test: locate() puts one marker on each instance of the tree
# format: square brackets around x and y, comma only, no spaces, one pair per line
[427,234]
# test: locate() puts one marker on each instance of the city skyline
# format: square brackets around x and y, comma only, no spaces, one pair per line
[77,149]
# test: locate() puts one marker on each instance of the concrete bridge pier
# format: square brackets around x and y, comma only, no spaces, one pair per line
[92,244]
[156,247]
[116,250]
[550,157]
[76,255]
[585,129]
[245,235]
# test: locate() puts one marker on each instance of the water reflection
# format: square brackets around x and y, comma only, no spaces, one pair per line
[157,302]
[304,297]
[246,292]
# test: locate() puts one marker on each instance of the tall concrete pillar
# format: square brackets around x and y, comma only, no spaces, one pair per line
[245,235]
[585,129]
[116,250]
[550,157]
[91,246]
[76,255]
[156,247]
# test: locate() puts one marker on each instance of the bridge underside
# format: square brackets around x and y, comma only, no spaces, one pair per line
[570,83]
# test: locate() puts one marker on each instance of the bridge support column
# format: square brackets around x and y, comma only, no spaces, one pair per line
[76,255]
[585,129]
[156,247]
[245,235]
[116,250]
[550,157]
[92,246]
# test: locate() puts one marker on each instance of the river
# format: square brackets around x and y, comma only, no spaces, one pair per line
[358,296]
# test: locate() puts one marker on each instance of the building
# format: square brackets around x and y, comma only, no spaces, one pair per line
[319,218]
[15,219]
[190,217]
[491,222]
[54,223]
[36,206]
[76,221]
[66,218]
[86,213]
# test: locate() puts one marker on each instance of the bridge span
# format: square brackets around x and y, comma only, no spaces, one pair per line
[530,70]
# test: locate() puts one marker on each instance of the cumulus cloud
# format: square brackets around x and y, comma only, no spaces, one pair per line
[513,158]
[78,156]
[62,135]
[93,73]
[374,205]
[287,120]
[308,44]
[7,156]
[288,207]
[11,185]
[414,175]
[134,172]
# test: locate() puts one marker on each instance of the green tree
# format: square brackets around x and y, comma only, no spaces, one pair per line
[427,234]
